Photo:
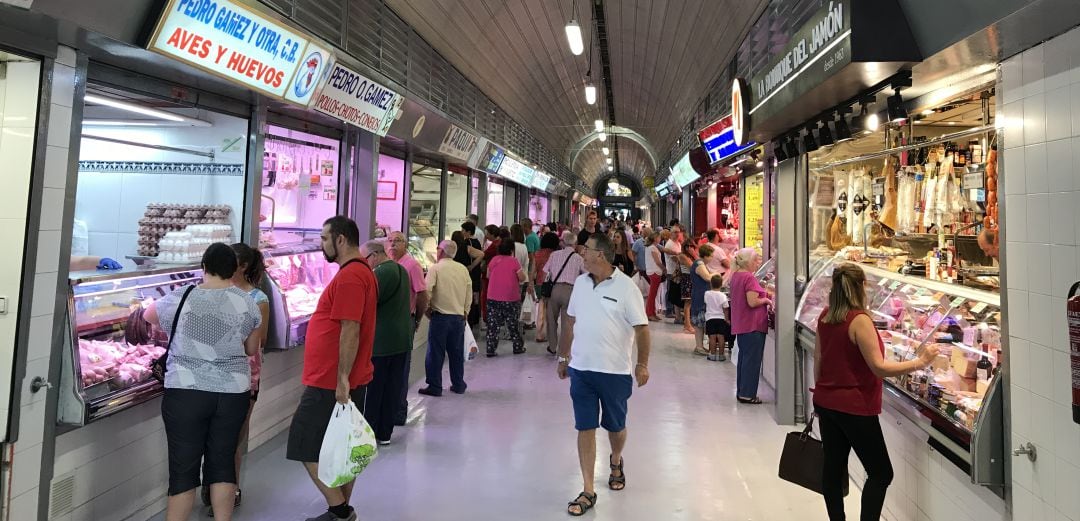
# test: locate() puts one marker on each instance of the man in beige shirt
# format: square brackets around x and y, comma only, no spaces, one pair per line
[450,286]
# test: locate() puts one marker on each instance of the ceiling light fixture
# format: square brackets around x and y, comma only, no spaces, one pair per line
[843,132]
[610,168]
[897,112]
[590,93]
[825,136]
[606,150]
[778,150]
[871,123]
[927,112]
[573,37]
[809,143]
[131,107]
[602,136]
[599,125]
[609,160]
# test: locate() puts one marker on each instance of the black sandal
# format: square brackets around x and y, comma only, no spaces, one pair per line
[550,350]
[585,506]
[616,480]
[519,351]
[752,401]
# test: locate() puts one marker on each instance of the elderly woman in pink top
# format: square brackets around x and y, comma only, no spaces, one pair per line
[749,322]
[505,276]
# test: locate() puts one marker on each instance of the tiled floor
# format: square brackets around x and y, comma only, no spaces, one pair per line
[506,450]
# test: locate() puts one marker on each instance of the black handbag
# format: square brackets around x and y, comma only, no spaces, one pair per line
[548,286]
[803,459]
[158,366]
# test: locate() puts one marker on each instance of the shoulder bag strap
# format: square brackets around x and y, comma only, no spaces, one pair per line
[176,317]
[565,262]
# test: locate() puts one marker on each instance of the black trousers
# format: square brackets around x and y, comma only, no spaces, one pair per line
[841,432]
[384,393]
[202,428]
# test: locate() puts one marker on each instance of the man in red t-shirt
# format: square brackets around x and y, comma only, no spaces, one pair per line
[337,356]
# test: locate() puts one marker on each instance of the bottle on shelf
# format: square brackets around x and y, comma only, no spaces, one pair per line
[984,369]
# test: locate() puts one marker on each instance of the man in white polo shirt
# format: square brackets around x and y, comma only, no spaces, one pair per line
[598,359]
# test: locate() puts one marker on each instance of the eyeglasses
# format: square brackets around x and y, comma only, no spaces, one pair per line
[369,256]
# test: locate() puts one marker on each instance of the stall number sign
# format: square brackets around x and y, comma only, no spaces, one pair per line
[232,41]
[358,101]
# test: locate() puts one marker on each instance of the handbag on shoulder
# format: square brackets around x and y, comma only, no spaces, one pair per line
[548,286]
[158,366]
[803,459]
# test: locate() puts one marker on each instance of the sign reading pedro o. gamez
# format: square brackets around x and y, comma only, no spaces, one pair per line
[357,100]
[235,42]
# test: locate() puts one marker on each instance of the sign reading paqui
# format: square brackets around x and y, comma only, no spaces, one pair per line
[356,100]
[458,143]
[232,41]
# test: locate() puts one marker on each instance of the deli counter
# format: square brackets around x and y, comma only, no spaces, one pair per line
[109,347]
[296,277]
[957,401]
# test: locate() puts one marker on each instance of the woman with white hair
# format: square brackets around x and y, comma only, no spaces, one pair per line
[749,322]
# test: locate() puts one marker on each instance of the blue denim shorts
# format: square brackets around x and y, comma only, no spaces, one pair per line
[600,399]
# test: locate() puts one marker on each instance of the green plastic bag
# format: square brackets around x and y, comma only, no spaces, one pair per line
[348,447]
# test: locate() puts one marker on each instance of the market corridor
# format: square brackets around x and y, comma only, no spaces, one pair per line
[505,450]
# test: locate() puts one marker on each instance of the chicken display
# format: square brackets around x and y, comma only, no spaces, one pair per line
[123,363]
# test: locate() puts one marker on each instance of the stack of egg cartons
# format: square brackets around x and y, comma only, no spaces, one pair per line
[178,248]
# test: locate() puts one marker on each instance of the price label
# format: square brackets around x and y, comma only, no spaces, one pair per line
[938,295]
[907,288]
[972,181]
[978,308]
[883,282]
[957,302]
[895,284]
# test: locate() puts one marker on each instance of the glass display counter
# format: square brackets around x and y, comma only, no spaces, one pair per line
[110,347]
[296,279]
[957,401]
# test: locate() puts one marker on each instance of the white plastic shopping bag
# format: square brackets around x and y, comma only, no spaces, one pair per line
[735,352]
[661,297]
[348,447]
[471,349]
[642,284]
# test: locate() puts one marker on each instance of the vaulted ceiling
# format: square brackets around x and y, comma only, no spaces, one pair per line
[664,55]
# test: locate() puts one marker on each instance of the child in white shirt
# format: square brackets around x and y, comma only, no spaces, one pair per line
[717,324]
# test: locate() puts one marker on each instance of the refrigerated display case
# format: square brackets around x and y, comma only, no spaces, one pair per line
[957,401]
[296,279]
[109,346]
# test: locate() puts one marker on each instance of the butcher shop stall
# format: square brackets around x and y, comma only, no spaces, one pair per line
[907,189]
[159,181]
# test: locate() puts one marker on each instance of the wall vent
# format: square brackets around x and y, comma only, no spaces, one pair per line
[62,496]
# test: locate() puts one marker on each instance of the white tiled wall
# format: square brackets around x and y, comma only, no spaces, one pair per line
[27,464]
[111,204]
[1040,92]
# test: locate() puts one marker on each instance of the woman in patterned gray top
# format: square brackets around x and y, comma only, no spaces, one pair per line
[207,381]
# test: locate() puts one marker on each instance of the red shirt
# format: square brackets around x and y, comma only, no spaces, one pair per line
[352,295]
[846,384]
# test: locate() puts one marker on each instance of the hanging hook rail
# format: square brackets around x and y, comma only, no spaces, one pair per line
[985,129]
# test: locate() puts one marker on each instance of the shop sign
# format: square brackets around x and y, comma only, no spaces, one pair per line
[818,49]
[458,143]
[516,171]
[492,159]
[232,41]
[349,96]
[663,189]
[740,112]
[648,182]
[718,140]
[541,181]
[683,173]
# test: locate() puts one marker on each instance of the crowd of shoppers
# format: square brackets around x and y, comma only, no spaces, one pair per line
[590,294]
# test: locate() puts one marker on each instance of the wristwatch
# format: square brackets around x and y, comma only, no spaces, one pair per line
[562,359]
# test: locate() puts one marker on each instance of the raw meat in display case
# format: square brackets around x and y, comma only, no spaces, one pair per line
[106,363]
[297,277]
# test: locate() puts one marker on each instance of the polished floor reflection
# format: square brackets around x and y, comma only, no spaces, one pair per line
[506,450]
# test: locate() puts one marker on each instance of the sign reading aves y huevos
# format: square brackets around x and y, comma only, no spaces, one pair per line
[458,143]
[356,100]
[233,41]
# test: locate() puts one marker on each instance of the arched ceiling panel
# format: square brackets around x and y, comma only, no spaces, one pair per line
[665,54]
